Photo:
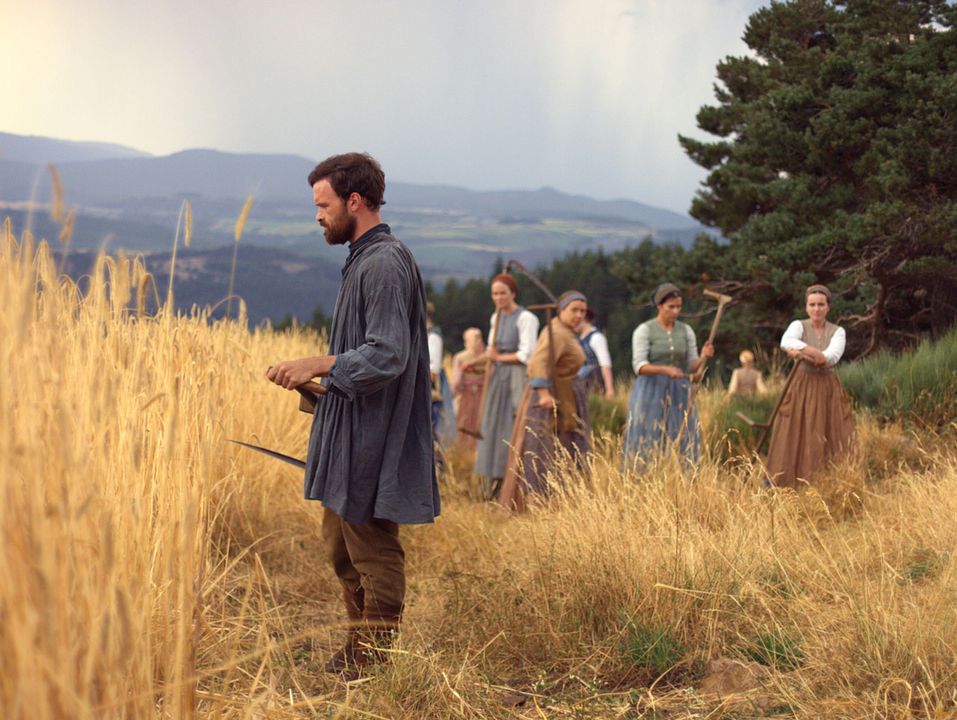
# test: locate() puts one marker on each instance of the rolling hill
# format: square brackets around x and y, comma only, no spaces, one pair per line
[126,198]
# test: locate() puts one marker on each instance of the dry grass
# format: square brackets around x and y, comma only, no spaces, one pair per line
[151,569]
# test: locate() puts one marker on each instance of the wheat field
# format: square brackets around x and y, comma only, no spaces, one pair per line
[151,569]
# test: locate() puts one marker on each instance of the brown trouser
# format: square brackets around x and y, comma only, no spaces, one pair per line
[370,563]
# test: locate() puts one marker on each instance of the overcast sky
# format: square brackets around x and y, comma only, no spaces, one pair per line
[587,96]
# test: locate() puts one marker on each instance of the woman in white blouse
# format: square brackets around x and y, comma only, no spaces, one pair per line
[595,374]
[511,339]
[814,424]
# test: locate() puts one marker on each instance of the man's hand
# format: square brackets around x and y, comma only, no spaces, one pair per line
[292,373]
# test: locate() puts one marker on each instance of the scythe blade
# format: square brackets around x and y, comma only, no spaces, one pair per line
[272,453]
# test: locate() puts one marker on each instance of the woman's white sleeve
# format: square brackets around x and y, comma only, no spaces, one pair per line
[435,353]
[791,340]
[640,344]
[599,343]
[835,349]
[491,329]
[527,335]
[692,357]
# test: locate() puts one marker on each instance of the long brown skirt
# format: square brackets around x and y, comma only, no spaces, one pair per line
[468,413]
[535,446]
[814,426]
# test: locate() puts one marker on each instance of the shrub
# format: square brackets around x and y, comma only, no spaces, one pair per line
[607,416]
[727,435]
[919,386]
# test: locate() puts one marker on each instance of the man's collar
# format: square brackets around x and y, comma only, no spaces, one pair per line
[363,241]
[367,235]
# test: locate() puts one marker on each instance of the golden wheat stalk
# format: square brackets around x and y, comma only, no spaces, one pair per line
[172,260]
[237,233]
[57,202]
[66,231]
[66,219]
[188,231]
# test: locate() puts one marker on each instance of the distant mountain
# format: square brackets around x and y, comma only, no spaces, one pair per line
[132,200]
[42,150]
[529,204]
[213,174]
[192,173]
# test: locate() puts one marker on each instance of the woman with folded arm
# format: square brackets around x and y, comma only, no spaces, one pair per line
[814,424]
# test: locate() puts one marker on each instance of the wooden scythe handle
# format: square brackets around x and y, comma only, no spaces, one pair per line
[313,387]
[722,301]
[777,405]
[310,391]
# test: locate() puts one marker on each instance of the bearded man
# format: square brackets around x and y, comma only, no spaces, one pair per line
[370,460]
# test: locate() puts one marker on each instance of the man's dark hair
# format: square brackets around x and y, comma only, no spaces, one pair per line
[353,173]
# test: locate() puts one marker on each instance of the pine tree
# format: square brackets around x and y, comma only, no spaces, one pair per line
[836,161]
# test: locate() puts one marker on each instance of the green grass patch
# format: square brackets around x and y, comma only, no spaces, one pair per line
[925,565]
[919,386]
[776,649]
[726,434]
[778,583]
[607,415]
[650,646]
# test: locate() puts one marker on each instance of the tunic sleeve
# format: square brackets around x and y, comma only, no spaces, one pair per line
[384,355]
[640,345]
[528,325]
[791,340]
[692,355]
[835,349]
[538,376]
[599,343]
[435,353]
[491,330]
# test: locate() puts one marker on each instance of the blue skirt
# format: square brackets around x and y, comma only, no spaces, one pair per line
[656,414]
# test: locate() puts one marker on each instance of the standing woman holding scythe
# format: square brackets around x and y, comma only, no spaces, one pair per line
[552,417]
[664,354]
[510,343]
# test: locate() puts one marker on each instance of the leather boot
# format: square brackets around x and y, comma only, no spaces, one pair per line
[344,657]
[371,642]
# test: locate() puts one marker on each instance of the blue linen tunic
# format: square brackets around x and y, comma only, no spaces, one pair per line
[659,404]
[370,449]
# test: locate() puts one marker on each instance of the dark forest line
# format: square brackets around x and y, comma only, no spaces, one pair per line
[619,284]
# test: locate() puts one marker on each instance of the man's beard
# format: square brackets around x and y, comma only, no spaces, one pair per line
[342,231]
